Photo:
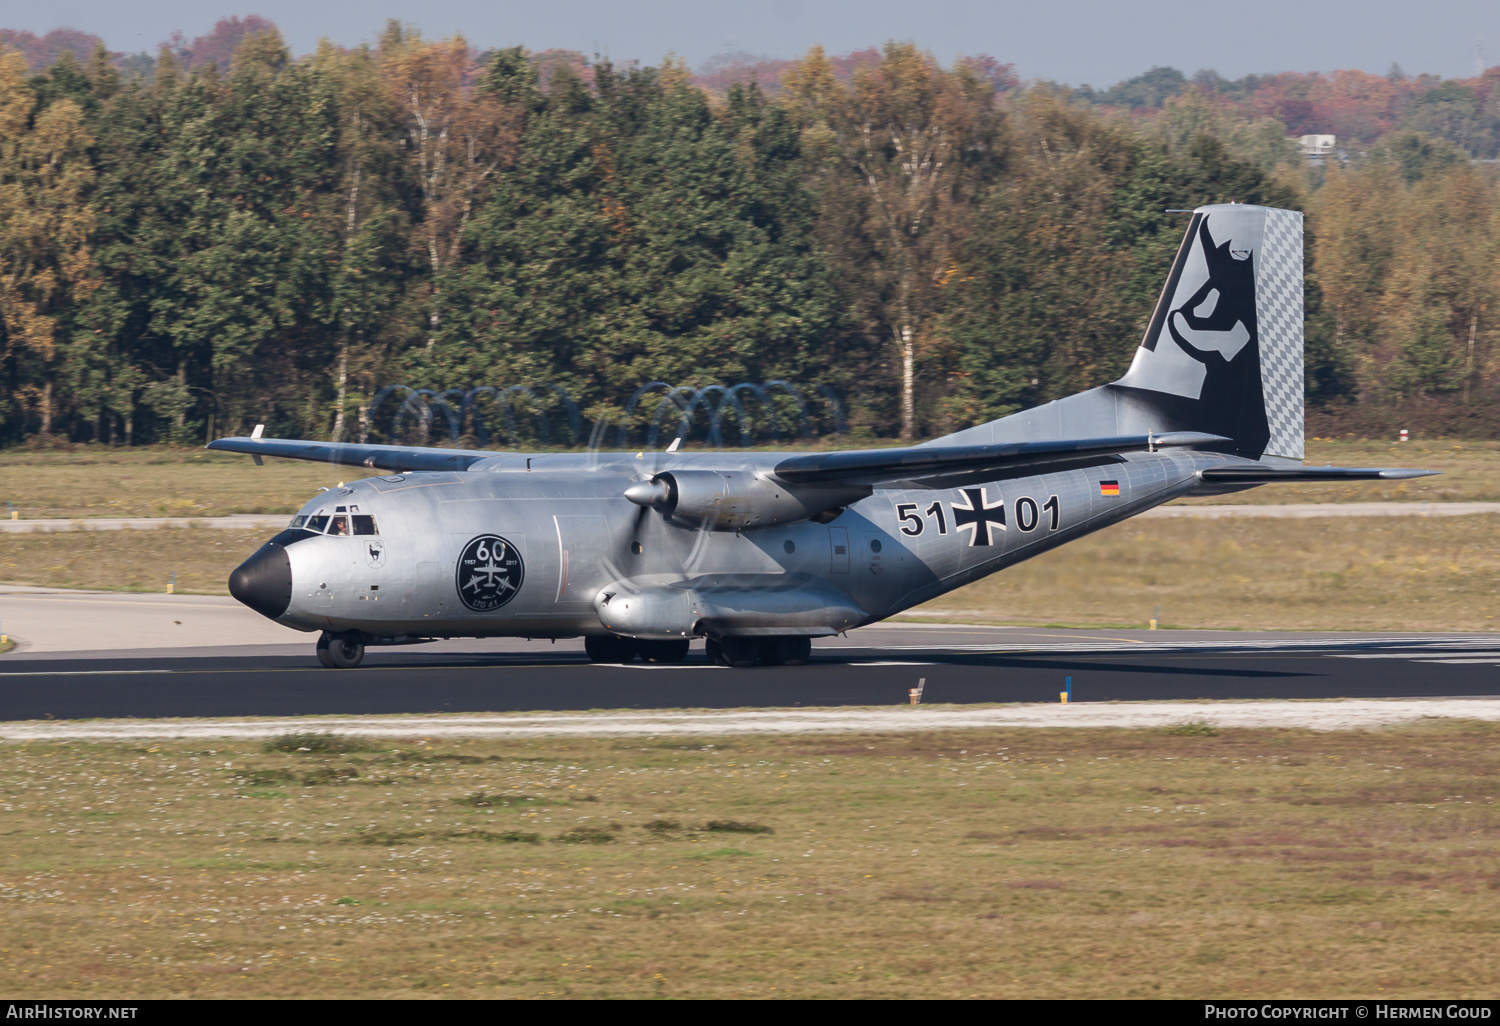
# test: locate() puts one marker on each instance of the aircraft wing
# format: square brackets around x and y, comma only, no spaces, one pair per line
[350,454]
[924,463]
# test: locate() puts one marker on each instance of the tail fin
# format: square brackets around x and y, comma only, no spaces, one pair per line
[1222,354]
[1223,351]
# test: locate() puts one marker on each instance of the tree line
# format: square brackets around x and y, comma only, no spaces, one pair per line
[275,240]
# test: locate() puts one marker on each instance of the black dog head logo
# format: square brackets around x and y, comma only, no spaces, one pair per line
[1216,323]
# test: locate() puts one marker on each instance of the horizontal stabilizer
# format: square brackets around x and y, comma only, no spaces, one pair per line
[349,454]
[1272,475]
[881,466]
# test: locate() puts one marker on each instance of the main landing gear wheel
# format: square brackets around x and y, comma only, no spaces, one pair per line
[785,651]
[609,648]
[737,652]
[341,651]
[663,651]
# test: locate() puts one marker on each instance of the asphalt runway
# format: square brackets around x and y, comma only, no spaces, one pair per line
[873,667]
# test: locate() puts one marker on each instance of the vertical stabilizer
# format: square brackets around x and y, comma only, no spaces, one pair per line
[1223,351]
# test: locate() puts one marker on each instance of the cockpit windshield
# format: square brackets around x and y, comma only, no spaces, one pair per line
[338,525]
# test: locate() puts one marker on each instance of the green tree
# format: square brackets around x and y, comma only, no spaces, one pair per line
[901,155]
[640,235]
[1054,289]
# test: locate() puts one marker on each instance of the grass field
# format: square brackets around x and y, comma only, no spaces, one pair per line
[100,481]
[1380,573]
[157,481]
[1043,863]
[1470,472]
[1377,573]
[128,560]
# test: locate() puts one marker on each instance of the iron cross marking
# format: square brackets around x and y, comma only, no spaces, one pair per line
[977,514]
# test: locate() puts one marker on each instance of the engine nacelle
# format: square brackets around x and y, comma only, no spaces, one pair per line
[737,500]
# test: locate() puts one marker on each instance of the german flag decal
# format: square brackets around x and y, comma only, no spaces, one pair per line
[1109,488]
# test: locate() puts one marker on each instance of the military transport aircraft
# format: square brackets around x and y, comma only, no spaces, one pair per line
[758,553]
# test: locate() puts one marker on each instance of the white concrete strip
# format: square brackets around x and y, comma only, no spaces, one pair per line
[1293,511]
[1413,646]
[1315,510]
[243,522]
[1314,715]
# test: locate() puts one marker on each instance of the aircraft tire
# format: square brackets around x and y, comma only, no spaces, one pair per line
[609,648]
[711,651]
[663,651]
[323,656]
[786,651]
[345,651]
[739,652]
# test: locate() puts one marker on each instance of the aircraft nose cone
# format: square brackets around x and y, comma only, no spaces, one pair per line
[264,581]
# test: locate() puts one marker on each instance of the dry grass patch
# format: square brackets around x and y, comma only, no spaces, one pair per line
[157,481]
[1469,474]
[128,560]
[1376,573]
[1004,863]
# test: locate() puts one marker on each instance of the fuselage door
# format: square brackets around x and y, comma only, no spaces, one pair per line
[838,537]
[580,542]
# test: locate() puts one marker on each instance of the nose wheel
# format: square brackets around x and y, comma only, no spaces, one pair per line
[341,651]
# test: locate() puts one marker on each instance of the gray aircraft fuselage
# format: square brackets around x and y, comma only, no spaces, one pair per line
[758,553]
[584,548]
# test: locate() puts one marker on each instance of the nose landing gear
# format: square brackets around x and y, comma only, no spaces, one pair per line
[341,651]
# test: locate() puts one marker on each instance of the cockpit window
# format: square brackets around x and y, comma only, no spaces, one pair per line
[340,526]
[317,524]
[296,523]
[364,524]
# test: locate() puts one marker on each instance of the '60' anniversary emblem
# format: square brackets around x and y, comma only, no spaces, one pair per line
[489,573]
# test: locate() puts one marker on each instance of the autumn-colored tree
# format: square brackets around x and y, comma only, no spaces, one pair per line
[371,208]
[456,136]
[904,151]
[1408,249]
[45,231]
[227,234]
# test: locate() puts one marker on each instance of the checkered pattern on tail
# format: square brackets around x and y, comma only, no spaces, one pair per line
[1278,311]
